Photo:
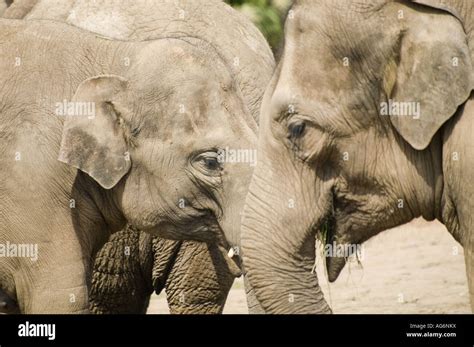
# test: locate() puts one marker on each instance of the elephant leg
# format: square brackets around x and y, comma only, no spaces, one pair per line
[63,300]
[199,280]
[47,274]
[121,279]
[59,288]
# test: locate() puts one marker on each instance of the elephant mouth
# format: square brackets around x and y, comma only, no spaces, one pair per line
[210,231]
[233,260]
[229,252]
[204,229]
[193,231]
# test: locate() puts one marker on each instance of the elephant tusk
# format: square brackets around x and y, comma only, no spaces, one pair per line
[231,252]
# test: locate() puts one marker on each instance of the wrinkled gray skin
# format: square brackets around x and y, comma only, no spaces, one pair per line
[325,144]
[133,264]
[170,142]
[46,9]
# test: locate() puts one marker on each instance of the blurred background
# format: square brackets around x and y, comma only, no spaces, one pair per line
[268,15]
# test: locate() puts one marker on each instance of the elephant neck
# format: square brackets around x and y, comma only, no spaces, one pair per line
[438,179]
[107,206]
[423,189]
[457,165]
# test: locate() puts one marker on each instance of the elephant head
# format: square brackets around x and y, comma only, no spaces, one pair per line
[350,136]
[160,141]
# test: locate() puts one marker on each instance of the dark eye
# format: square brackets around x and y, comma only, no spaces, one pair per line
[297,130]
[211,163]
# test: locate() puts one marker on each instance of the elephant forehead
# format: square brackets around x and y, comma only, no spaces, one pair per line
[310,79]
[171,60]
[178,120]
[329,48]
[192,106]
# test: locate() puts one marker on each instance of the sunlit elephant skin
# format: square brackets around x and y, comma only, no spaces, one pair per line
[331,156]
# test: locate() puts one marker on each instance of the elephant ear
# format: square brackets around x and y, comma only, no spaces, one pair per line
[434,75]
[93,138]
[444,5]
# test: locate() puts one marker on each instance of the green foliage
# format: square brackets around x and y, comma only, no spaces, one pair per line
[268,15]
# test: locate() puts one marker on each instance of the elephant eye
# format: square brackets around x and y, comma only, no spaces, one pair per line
[209,163]
[297,130]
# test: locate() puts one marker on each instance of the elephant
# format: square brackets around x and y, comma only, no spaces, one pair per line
[366,125]
[245,63]
[133,264]
[150,153]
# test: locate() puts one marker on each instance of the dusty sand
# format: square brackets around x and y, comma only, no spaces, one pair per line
[415,268]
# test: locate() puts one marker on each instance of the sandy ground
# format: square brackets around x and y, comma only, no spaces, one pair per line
[416,268]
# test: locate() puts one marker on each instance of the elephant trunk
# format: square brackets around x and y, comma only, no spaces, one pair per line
[279,252]
[252,301]
[121,280]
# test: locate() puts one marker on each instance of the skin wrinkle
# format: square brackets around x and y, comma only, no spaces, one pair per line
[213,200]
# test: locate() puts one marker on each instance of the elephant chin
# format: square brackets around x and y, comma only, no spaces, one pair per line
[334,266]
[334,263]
